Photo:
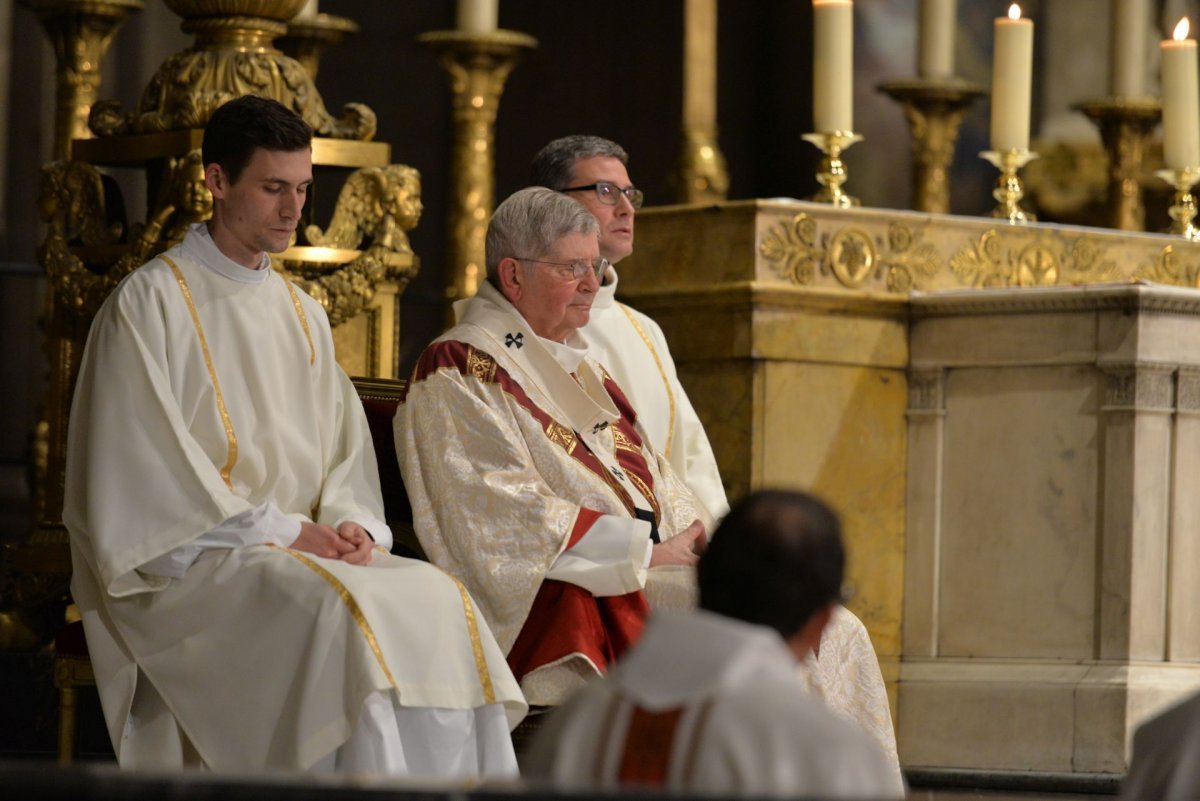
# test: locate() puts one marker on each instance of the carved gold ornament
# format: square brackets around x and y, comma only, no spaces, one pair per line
[792,249]
[1173,267]
[234,55]
[378,203]
[903,259]
[911,262]
[1003,260]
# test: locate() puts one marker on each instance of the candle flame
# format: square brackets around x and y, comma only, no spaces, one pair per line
[1181,30]
[1014,11]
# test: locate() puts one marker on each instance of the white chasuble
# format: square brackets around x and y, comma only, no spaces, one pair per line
[633,349]
[509,460]
[202,396]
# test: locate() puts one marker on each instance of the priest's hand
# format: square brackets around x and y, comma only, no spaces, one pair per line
[322,541]
[357,536]
[682,549]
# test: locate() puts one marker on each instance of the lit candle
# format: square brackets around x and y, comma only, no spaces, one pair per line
[1012,81]
[700,65]
[309,10]
[935,45]
[1130,20]
[477,16]
[833,65]
[1180,100]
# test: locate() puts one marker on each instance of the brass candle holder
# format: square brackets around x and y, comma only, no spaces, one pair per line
[934,111]
[1126,125]
[478,65]
[831,173]
[1183,208]
[308,38]
[1009,189]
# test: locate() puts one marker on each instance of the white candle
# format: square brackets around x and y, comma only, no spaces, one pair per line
[1180,100]
[1012,81]
[477,16]
[700,65]
[833,65]
[309,10]
[935,44]
[1130,21]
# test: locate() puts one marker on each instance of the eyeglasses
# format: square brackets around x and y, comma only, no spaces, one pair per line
[608,193]
[579,268]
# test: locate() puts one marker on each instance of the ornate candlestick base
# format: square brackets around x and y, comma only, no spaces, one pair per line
[1183,209]
[478,65]
[832,172]
[934,111]
[308,37]
[1009,189]
[1125,124]
[80,32]
[703,177]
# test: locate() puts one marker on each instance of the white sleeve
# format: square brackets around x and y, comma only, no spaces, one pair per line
[610,559]
[262,525]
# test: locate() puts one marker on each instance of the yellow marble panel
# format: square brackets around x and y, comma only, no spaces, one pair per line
[840,432]
[724,395]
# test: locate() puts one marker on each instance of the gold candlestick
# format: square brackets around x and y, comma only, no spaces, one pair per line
[309,37]
[1009,189]
[80,32]
[478,64]
[934,111]
[1125,124]
[703,177]
[831,173]
[1183,209]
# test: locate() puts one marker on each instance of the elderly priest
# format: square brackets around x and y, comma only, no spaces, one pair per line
[230,558]
[529,474]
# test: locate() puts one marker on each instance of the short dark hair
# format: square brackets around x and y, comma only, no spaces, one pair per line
[775,560]
[248,123]
[554,164]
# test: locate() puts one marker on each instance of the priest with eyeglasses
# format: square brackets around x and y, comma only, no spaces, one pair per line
[530,477]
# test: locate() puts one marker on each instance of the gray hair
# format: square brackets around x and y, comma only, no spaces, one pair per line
[528,224]
[554,164]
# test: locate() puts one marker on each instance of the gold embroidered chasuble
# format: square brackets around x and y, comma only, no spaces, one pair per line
[502,449]
[199,398]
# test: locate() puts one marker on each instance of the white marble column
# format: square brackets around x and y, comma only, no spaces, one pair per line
[922,575]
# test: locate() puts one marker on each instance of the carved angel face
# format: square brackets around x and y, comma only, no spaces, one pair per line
[403,199]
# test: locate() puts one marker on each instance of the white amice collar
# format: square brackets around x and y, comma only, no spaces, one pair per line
[606,295]
[568,354]
[207,253]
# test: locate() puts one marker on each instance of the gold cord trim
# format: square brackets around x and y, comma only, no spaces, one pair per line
[231,438]
[351,604]
[481,666]
[662,374]
[312,352]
